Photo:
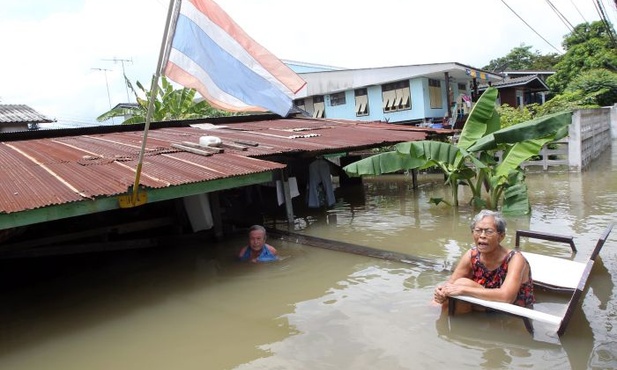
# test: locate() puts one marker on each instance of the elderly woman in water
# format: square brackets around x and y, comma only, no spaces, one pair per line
[489,270]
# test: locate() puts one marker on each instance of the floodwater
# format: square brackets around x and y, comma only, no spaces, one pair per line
[193,307]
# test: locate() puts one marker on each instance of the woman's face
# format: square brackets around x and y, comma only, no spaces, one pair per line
[485,235]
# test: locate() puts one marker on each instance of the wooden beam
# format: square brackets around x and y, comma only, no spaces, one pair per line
[352,248]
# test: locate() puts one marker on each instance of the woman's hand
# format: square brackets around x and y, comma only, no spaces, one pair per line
[440,295]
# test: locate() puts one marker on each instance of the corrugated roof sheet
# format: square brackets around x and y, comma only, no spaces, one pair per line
[51,171]
[20,113]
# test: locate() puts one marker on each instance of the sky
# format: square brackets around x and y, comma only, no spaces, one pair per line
[65,58]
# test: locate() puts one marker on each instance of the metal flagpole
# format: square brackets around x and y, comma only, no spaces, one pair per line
[172,18]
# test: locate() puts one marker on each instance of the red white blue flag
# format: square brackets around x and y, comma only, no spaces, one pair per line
[213,55]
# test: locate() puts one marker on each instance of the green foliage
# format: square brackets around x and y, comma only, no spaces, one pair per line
[599,86]
[511,116]
[588,47]
[170,104]
[472,161]
[522,58]
[568,101]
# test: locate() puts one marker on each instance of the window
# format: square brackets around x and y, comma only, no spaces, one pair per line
[318,107]
[462,88]
[396,96]
[337,99]
[434,93]
[361,102]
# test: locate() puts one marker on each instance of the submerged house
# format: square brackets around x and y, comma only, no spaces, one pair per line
[411,94]
[70,190]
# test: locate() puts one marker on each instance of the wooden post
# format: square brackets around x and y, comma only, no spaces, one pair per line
[217,218]
[448,97]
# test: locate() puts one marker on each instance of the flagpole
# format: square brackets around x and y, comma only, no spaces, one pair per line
[172,17]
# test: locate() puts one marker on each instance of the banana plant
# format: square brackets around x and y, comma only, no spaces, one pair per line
[472,160]
[170,104]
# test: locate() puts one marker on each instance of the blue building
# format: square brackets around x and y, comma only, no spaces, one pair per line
[411,94]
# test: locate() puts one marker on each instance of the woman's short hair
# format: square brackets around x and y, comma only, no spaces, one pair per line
[500,222]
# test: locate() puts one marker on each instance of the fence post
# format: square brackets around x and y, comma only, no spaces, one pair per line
[575,142]
[613,120]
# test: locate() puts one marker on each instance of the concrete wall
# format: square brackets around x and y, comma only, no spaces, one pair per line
[591,133]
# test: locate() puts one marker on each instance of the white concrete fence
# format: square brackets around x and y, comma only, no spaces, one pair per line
[592,132]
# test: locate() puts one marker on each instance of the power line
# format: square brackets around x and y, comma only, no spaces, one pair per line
[607,24]
[561,16]
[579,12]
[531,28]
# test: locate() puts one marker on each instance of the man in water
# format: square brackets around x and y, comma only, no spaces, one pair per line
[257,250]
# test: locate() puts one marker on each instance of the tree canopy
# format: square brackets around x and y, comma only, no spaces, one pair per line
[588,47]
[522,58]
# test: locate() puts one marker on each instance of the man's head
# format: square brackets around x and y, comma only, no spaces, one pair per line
[257,237]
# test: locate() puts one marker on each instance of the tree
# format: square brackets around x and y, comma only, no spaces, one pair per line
[472,160]
[522,58]
[598,86]
[589,46]
[170,104]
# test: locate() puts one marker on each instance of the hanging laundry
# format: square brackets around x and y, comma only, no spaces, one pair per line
[319,177]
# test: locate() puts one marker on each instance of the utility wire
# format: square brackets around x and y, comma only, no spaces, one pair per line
[561,16]
[531,28]
[579,12]
[607,24]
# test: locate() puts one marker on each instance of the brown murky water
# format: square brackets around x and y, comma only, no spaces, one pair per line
[194,307]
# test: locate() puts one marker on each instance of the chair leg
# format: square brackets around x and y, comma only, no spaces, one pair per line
[528,325]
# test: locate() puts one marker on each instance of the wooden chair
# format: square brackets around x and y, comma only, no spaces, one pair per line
[550,273]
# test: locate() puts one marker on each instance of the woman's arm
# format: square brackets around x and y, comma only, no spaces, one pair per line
[517,270]
[462,270]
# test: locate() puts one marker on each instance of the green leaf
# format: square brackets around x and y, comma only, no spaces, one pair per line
[482,119]
[435,151]
[550,126]
[387,162]
[516,200]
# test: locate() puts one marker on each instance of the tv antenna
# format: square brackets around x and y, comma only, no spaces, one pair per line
[122,61]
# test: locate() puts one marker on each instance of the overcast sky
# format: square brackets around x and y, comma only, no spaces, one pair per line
[58,55]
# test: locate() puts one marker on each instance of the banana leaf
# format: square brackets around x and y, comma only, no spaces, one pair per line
[388,162]
[516,200]
[483,119]
[553,126]
[519,153]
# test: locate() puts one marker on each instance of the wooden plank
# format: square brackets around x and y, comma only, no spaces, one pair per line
[575,298]
[544,236]
[352,248]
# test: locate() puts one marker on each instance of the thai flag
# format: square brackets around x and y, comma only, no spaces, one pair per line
[212,54]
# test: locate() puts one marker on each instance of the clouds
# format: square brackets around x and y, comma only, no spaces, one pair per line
[51,48]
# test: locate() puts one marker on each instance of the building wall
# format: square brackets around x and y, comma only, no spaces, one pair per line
[420,104]
[420,109]
[13,127]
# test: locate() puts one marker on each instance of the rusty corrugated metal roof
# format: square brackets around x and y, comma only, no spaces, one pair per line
[52,171]
[20,113]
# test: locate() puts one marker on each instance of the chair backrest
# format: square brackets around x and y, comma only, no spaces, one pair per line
[601,241]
